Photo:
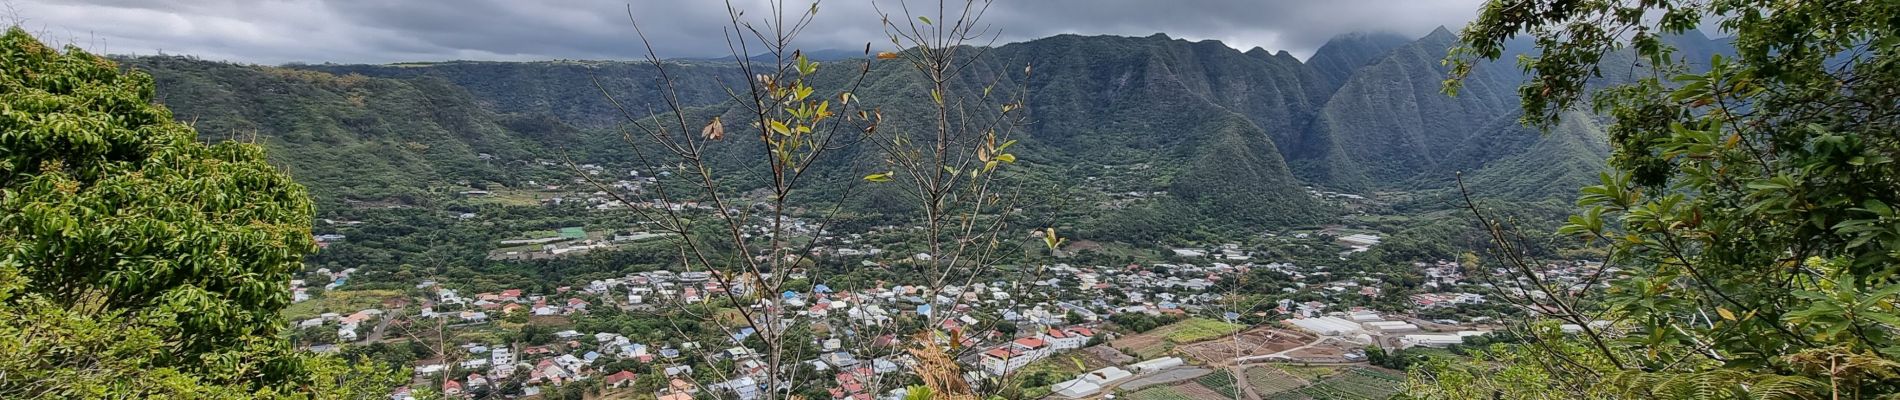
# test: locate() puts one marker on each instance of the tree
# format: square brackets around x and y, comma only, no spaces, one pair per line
[1749,212]
[795,122]
[134,260]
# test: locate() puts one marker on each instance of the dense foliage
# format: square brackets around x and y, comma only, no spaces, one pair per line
[355,140]
[136,261]
[1750,213]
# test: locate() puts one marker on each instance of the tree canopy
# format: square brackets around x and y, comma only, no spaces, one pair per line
[136,261]
[1749,210]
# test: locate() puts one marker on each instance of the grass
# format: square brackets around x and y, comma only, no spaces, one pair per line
[1268,380]
[1114,249]
[339,301]
[515,197]
[1060,367]
[1055,374]
[1158,393]
[1159,341]
[554,321]
[1434,352]
[729,316]
[480,334]
[1309,372]
[1199,329]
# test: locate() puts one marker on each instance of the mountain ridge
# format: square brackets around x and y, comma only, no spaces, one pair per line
[1240,132]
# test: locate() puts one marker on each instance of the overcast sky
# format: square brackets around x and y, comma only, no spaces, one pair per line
[381,31]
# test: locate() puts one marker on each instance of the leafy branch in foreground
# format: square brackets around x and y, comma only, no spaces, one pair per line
[795,124]
[1749,213]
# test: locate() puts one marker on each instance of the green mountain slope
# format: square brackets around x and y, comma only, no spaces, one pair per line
[1391,127]
[349,138]
[1519,163]
[1199,134]
[1339,58]
[1390,122]
[1204,117]
[566,90]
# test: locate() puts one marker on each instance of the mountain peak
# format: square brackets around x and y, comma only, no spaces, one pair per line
[1442,33]
[1340,56]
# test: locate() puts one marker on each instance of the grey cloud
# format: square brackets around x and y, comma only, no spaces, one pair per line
[377,31]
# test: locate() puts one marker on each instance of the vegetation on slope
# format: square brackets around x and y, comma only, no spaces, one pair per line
[352,137]
[1749,211]
[134,260]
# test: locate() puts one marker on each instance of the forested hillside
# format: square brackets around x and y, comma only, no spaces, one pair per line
[1389,122]
[350,137]
[563,89]
[1212,130]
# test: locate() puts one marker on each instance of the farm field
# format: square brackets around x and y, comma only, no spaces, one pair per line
[1159,341]
[1253,342]
[1221,382]
[1350,384]
[1186,391]
[1199,329]
[1157,393]
[1310,373]
[1269,380]
[339,301]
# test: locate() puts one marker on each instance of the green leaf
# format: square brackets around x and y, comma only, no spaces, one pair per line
[1766,185]
[880,177]
[1877,207]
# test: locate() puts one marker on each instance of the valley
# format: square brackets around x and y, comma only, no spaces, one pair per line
[977,200]
[497,200]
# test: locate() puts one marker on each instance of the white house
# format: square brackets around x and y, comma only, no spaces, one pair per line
[1064,339]
[1000,361]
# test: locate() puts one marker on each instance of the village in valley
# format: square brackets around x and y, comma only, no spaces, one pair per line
[1215,321]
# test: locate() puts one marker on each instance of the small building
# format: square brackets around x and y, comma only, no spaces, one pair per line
[620,379]
[1090,383]
[1157,364]
[1429,340]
